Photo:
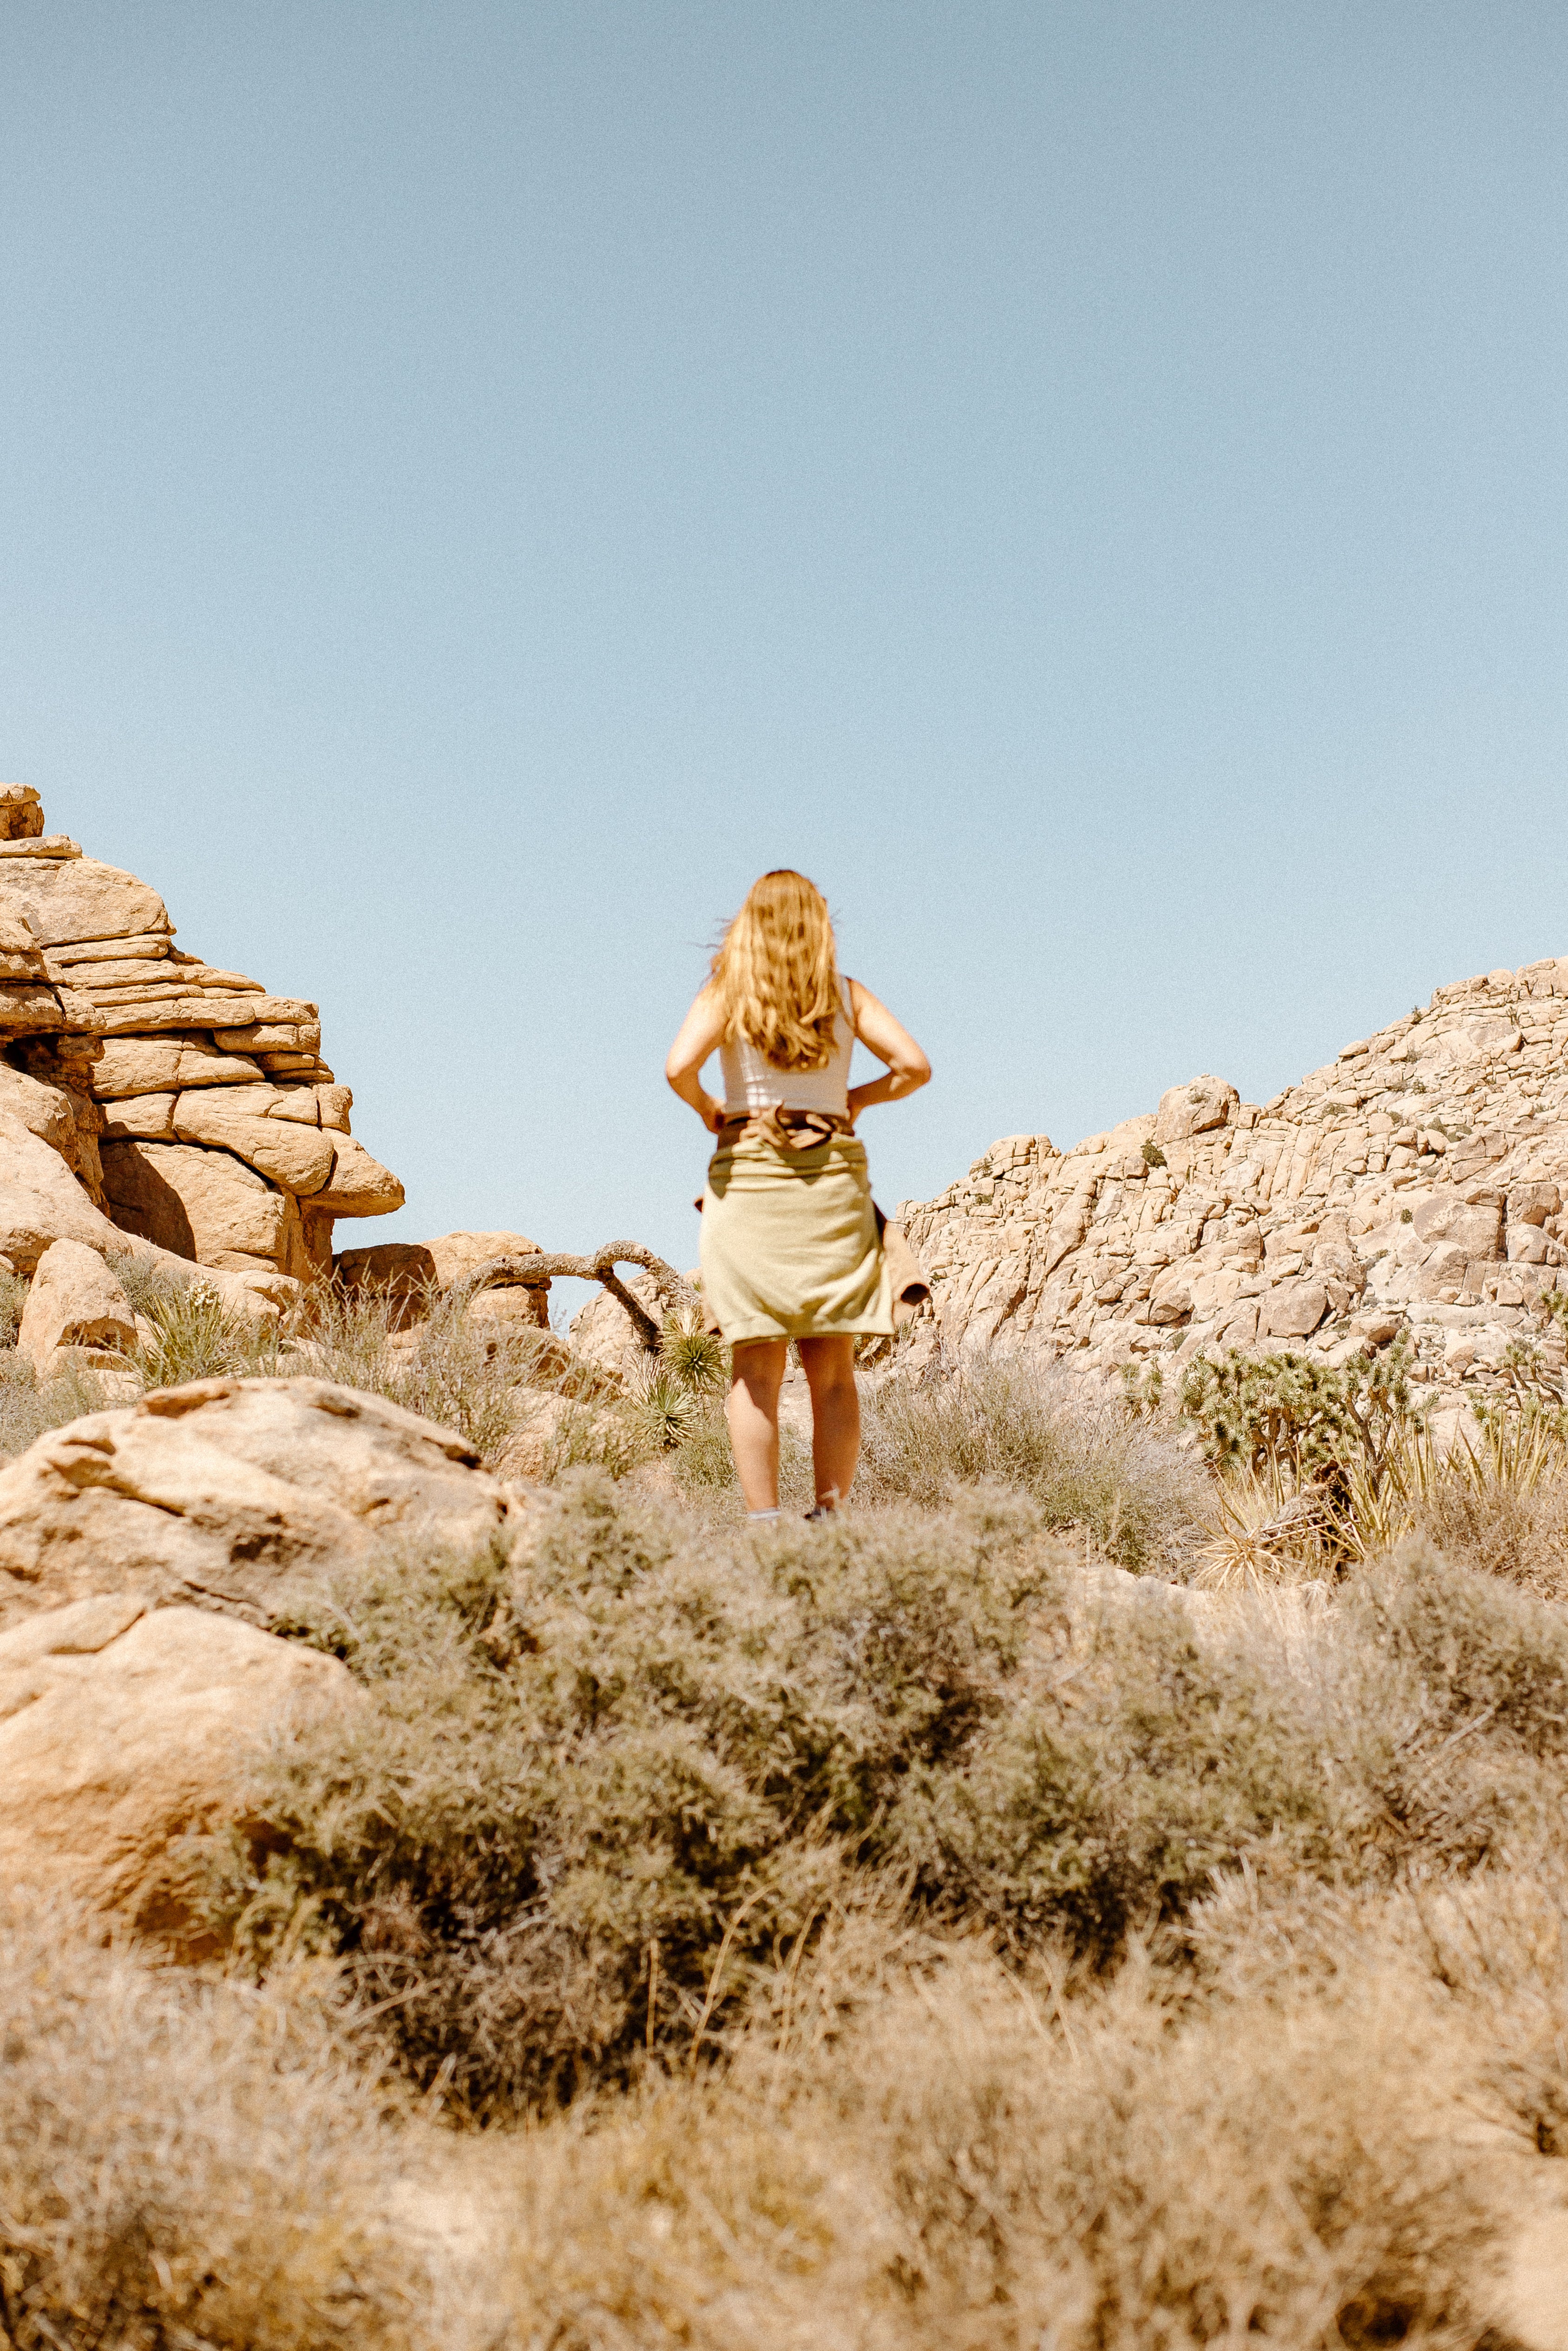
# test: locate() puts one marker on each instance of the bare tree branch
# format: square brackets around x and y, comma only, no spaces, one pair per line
[534,1272]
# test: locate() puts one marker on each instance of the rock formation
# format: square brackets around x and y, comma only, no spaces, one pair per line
[217,1492]
[414,1275]
[121,1732]
[192,1108]
[1417,1184]
[75,1303]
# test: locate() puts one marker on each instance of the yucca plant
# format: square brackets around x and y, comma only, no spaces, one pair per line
[1264,1531]
[697,1358]
[664,1408]
[195,1336]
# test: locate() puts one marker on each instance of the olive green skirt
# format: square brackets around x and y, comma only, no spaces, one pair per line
[789,1244]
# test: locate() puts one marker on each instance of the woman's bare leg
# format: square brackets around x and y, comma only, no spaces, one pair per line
[829,1368]
[751,1409]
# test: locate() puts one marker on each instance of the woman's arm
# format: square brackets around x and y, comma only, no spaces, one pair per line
[907,1067]
[701,1034]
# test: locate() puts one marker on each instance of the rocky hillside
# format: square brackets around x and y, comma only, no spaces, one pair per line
[1416,1184]
[193,1107]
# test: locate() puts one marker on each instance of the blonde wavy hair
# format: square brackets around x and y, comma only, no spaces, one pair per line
[777,973]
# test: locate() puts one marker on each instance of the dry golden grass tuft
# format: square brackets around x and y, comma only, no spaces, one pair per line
[1085,1460]
[921,2149]
[186,2163]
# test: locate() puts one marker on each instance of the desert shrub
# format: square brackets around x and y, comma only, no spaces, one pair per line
[1140,1758]
[699,1359]
[1262,1534]
[927,2152]
[597,1435]
[458,1376]
[1499,1500]
[1483,1655]
[674,1404]
[458,1372]
[662,1409]
[1422,1720]
[595,1796]
[184,2163]
[1284,1414]
[12,1299]
[28,1411]
[576,1828]
[704,1460]
[149,1281]
[195,1336]
[1082,1460]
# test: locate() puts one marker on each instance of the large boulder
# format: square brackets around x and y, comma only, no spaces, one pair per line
[358,1186]
[221,1492]
[296,1156]
[121,1731]
[1195,1109]
[602,1333]
[41,1203]
[64,899]
[39,1195]
[74,1301]
[206,1205]
[409,1275]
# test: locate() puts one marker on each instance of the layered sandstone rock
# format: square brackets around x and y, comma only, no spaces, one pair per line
[193,1107]
[1419,1183]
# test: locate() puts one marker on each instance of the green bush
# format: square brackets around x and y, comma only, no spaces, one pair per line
[1286,1414]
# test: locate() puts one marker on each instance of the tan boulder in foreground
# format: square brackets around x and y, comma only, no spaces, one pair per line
[219,1491]
[120,1732]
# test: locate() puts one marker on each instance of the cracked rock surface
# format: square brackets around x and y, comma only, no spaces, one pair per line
[1417,1184]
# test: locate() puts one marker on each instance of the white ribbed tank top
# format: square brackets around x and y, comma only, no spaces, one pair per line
[750,1083]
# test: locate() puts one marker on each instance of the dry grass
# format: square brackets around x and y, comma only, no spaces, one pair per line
[459,1372]
[28,1411]
[1314,2123]
[918,2148]
[187,2165]
[1084,1459]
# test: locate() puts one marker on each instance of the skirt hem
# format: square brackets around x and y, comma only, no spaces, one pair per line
[876,1328]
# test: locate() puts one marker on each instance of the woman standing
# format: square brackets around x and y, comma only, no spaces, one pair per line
[790,1247]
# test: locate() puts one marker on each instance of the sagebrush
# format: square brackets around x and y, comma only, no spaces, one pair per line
[600,1791]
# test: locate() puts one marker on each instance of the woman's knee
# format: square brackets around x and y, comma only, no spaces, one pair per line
[757,1367]
[829,1365]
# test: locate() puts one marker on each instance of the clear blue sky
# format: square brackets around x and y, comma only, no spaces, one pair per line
[1085,482]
